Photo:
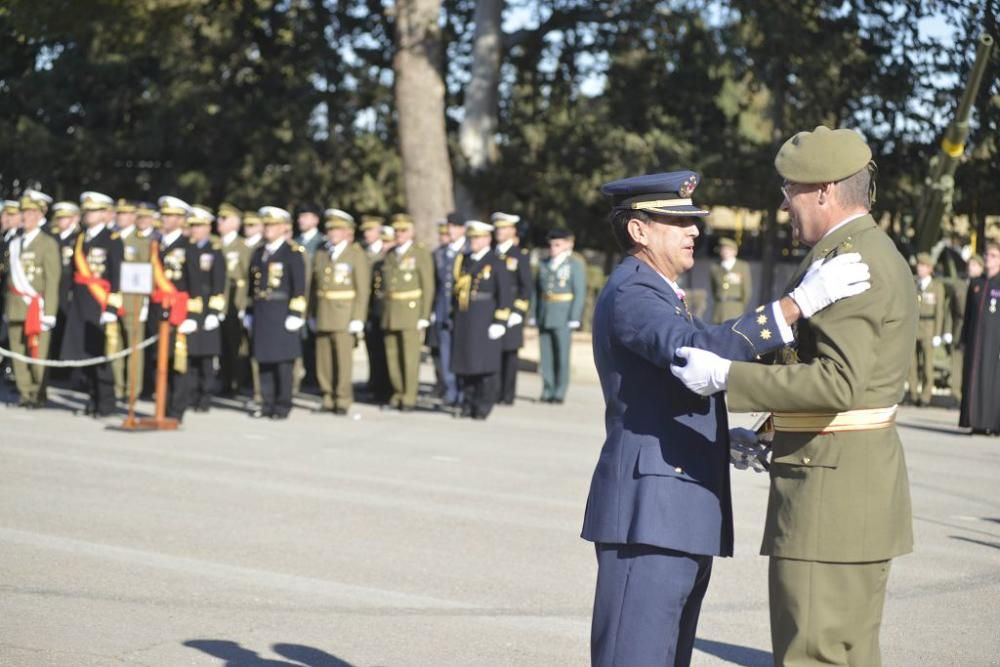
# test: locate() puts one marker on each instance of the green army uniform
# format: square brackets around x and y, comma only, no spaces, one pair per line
[560,293]
[930,326]
[137,249]
[732,290]
[839,504]
[408,284]
[339,296]
[232,361]
[40,266]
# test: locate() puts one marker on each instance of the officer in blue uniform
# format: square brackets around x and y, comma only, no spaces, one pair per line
[517,263]
[276,312]
[659,508]
[442,327]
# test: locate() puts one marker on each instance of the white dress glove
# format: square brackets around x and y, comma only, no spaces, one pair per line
[936,341]
[422,324]
[827,282]
[211,322]
[108,317]
[705,373]
[144,313]
[496,331]
[187,327]
[293,323]
[514,319]
[573,325]
[532,322]
[355,326]
[48,321]
[948,338]
[746,451]
[247,321]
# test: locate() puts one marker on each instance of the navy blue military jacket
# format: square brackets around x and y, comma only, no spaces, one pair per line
[277,290]
[662,478]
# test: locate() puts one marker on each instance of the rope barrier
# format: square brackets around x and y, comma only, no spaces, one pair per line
[79,363]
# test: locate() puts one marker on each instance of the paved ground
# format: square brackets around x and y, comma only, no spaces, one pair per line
[407,540]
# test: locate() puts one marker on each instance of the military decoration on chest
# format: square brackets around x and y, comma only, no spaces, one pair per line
[173,264]
[97,259]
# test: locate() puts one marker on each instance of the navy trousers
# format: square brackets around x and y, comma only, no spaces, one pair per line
[647,605]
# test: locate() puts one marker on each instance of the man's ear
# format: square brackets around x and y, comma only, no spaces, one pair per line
[636,231]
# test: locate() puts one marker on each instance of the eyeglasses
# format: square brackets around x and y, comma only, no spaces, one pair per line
[785,187]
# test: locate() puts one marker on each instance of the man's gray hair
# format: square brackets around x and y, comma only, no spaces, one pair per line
[855,191]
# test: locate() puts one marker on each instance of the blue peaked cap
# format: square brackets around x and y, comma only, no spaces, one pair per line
[668,193]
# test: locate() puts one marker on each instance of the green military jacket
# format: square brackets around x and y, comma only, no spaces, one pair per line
[237,255]
[732,290]
[340,288]
[407,282]
[560,293]
[841,496]
[136,249]
[42,267]
[930,305]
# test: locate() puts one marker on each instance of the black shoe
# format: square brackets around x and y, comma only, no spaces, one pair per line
[342,412]
[258,414]
[406,408]
[557,401]
[279,415]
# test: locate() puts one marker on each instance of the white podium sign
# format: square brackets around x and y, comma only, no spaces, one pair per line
[136,278]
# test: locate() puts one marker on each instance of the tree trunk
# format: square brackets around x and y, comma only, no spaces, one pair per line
[477,133]
[420,90]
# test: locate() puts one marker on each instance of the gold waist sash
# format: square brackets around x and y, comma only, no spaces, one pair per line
[558,297]
[832,422]
[409,294]
[338,295]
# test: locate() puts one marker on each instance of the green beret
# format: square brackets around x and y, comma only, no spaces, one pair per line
[925,258]
[822,156]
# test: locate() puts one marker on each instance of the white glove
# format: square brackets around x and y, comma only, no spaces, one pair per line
[48,321]
[187,327]
[434,318]
[827,282]
[422,324]
[532,322]
[746,450]
[573,325]
[293,323]
[108,317]
[247,321]
[311,323]
[936,341]
[496,331]
[705,372]
[144,313]
[211,322]
[514,319]
[355,326]
[948,338]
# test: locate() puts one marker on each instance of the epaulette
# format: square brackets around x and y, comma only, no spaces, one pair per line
[115,235]
[216,244]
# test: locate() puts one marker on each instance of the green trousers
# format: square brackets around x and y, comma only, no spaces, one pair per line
[120,367]
[255,377]
[29,378]
[922,371]
[955,378]
[554,358]
[402,355]
[826,613]
[334,368]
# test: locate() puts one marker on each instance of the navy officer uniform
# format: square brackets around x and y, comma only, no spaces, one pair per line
[442,328]
[517,262]
[659,508]
[276,314]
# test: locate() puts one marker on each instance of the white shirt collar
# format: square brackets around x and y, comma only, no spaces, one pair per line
[560,258]
[339,248]
[457,244]
[273,246]
[126,231]
[170,238]
[479,255]
[94,231]
[375,247]
[924,282]
[505,247]
[253,240]
[307,235]
[66,233]
[28,237]
[229,237]
[844,222]
[402,248]
[144,233]
[728,264]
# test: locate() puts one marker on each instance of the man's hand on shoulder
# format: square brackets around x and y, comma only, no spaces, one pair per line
[829,281]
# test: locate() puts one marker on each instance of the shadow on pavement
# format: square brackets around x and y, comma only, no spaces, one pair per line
[950,430]
[235,655]
[982,543]
[738,655]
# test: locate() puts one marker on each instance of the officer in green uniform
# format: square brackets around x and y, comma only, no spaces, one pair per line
[408,284]
[32,287]
[839,506]
[338,307]
[137,249]
[930,328]
[10,226]
[732,288]
[560,292]
[236,254]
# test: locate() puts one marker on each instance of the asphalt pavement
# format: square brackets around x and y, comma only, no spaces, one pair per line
[388,539]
